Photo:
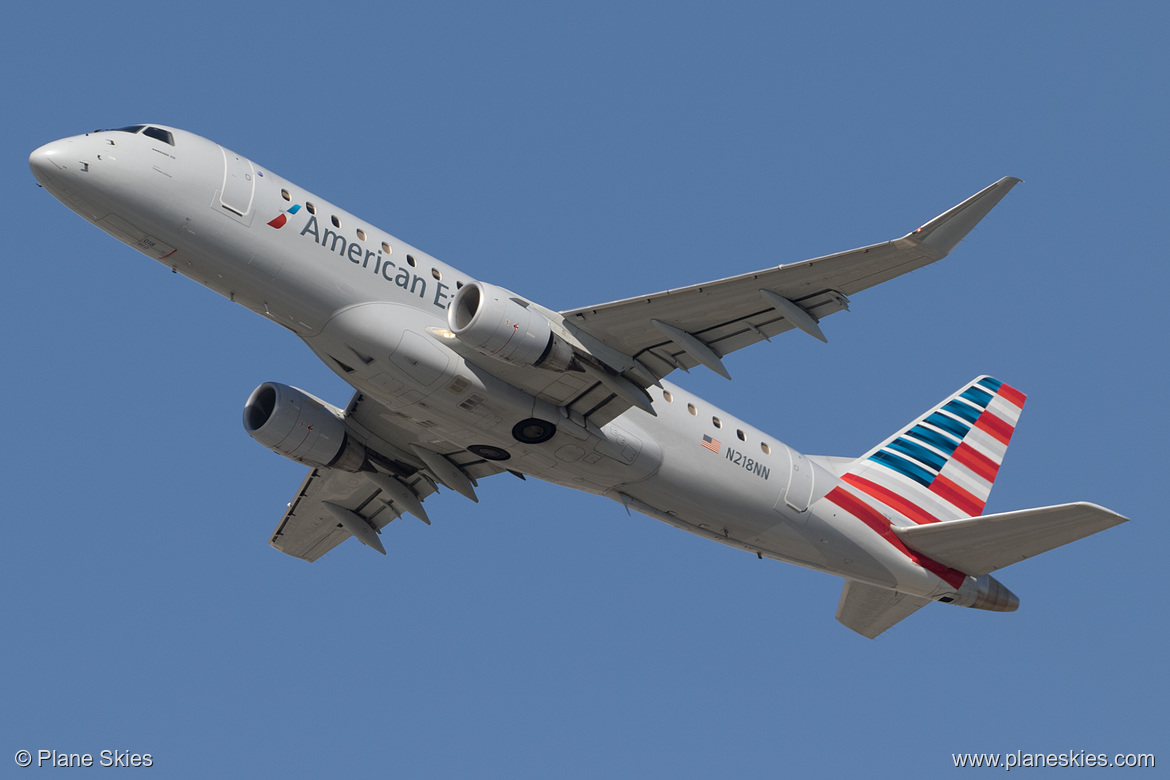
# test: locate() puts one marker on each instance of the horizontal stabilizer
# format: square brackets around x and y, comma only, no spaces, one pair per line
[870,610]
[981,545]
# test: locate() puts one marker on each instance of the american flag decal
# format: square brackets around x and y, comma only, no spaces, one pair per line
[711,444]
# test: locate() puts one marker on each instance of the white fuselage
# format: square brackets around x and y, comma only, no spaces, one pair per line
[373,308]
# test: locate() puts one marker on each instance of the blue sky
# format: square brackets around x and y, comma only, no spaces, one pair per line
[581,154]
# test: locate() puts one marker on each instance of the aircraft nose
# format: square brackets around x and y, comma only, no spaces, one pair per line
[46,162]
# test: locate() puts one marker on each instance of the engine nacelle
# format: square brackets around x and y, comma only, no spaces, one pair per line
[300,427]
[502,325]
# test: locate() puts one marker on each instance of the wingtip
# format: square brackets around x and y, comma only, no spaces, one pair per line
[943,233]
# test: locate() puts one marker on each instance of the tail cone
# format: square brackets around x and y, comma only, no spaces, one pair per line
[994,596]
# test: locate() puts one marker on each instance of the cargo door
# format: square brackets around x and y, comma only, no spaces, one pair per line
[797,492]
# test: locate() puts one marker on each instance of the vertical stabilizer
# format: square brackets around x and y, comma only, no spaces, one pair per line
[942,466]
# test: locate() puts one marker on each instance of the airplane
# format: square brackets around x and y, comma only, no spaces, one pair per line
[457,379]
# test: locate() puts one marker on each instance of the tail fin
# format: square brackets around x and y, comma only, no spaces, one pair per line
[942,466]
[937,472]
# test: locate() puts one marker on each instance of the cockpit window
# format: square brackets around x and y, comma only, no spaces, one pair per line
[159,134]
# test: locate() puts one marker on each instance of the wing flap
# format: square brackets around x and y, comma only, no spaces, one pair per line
[870,610]
[309,528]
[981,545]
[303,533]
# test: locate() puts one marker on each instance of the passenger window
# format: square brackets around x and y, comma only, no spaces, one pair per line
[386,248]
[764,446]
[336,222]
[284,194]
[666,396]
[435,273]
[691,408]
[410,260]
[361,234]
[716,422]
[740,435]
[312,209]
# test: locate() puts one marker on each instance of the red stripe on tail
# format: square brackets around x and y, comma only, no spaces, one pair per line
[891,499]
[875,520]
[963,501]
[999,429]
[970,457]
[1012,395]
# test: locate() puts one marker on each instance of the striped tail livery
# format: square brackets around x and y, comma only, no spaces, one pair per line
[942,466]
[923,491]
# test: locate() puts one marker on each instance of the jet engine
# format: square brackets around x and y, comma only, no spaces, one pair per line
[300,427]
[502,325]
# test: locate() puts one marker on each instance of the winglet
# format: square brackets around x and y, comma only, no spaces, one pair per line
[944,232]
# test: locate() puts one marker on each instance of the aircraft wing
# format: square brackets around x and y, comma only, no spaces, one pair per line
[624,347]
[698,325]
[331,505]
[309,529]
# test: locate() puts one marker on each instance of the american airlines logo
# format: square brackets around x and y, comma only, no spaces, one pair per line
[282,217]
